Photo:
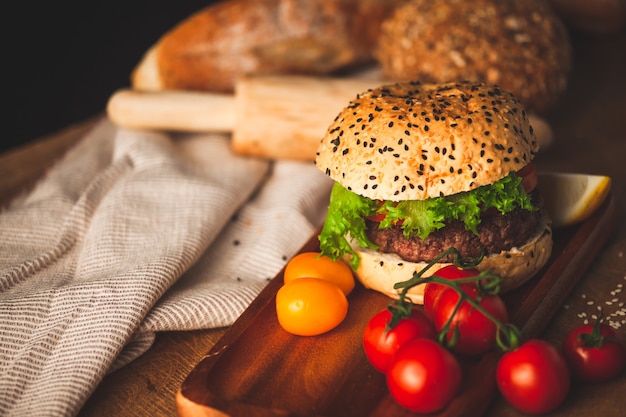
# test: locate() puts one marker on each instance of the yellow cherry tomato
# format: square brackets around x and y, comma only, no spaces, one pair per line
[310,306]
[313,265]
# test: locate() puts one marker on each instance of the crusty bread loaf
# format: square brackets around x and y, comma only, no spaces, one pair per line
[212,48]
[520,45]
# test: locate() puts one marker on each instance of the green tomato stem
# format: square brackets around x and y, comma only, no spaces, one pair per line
[508,336]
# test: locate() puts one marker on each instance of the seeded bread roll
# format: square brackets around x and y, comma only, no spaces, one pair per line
[432,140]
[212,48]
[520,45]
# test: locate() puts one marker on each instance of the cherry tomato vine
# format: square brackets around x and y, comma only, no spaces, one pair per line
[508,336]
[532,375]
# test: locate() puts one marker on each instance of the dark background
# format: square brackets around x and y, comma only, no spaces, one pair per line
[64,59]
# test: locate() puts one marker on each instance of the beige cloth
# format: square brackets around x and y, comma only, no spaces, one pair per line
[130,234]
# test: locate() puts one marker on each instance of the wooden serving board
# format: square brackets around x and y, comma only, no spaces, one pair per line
[258,369]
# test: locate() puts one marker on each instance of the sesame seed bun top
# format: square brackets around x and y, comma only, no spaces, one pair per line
[412,141]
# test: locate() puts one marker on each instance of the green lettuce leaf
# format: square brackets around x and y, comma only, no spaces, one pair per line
[420,218]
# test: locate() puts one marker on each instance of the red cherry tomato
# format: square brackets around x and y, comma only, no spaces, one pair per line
[475,333]
[381,342]
[594,352]
[533,378]
[423,376]
[432,290]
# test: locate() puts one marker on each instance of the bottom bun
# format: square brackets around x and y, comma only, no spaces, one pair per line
[381,271]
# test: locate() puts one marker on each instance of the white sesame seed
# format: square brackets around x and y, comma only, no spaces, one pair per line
[590,303]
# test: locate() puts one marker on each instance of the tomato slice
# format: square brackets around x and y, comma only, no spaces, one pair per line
[529,177]
[379,217]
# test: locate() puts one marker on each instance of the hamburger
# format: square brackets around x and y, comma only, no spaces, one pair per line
[419,168]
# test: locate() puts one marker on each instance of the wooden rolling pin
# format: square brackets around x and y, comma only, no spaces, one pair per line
[276,117]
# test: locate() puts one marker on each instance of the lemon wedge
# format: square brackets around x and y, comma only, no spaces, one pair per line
[571,198]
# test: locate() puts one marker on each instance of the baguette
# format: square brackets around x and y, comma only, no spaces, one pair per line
[217,45]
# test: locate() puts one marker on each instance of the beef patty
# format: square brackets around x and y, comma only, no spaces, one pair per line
[496,233]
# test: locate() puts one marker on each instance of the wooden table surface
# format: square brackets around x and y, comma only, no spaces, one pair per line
[590,137]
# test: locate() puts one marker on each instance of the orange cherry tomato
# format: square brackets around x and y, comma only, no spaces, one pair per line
[312,265]
[310,306]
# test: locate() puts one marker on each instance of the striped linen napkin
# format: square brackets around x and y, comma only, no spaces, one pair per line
[134,233]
